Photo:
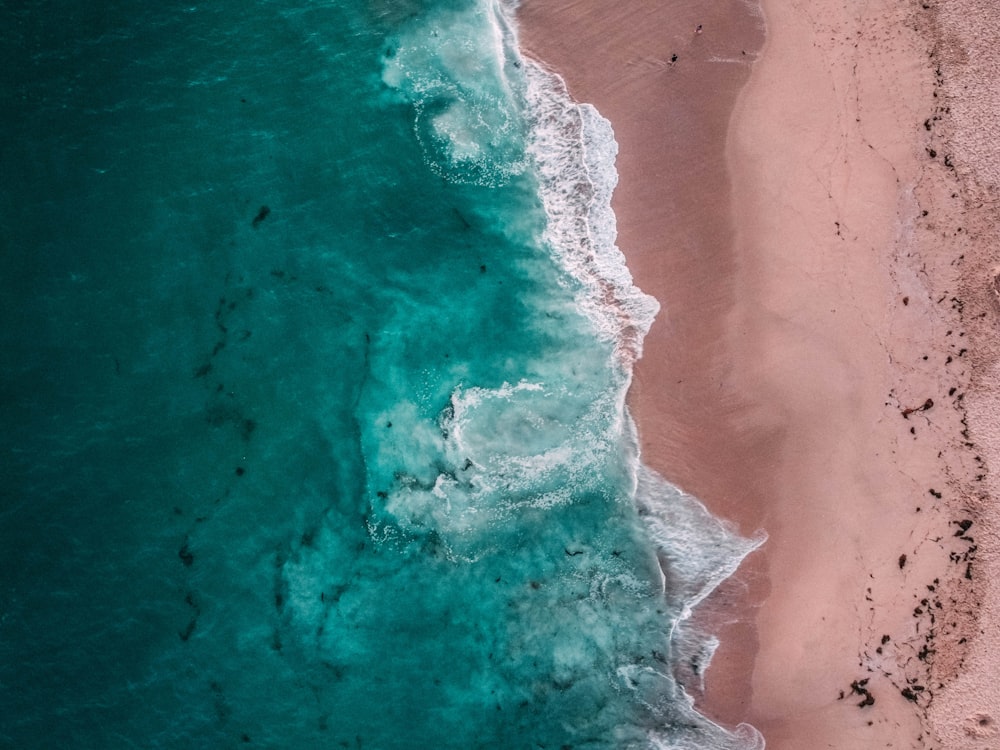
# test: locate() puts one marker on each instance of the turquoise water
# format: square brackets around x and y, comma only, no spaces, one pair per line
[314,355]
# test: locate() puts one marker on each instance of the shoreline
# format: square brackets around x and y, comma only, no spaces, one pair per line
[824,365]
[661,231]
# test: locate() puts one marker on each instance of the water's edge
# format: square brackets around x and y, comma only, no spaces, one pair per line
[696,550]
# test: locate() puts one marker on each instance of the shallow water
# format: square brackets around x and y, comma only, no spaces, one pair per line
[314,365]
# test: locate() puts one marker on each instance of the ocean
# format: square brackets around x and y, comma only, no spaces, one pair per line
[314,356]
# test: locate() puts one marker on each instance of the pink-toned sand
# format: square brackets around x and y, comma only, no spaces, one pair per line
[817,214]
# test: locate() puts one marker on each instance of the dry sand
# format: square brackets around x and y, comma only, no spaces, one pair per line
[826,365]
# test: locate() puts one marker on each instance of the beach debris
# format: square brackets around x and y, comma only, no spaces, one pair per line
[935,493]
[963,526]
[698,29]
[923,407]
[902,561]
[858,687]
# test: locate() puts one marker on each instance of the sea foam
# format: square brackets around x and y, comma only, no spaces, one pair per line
[447,68]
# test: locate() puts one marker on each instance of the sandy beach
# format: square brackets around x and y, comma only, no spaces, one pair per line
[815,209]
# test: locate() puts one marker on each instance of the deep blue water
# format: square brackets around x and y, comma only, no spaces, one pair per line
[314,350]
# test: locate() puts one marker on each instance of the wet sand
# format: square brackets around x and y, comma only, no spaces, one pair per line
[823,367]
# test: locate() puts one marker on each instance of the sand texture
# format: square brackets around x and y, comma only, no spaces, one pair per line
[825,368]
